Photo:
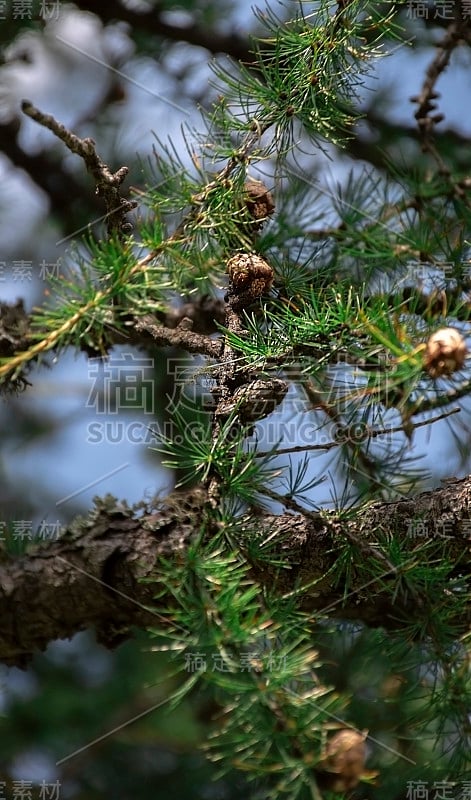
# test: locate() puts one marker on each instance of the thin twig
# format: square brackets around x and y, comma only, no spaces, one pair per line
[369,433]
[107,183]
[457,32]
[368,464]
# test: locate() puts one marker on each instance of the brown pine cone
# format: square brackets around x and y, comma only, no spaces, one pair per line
[343,763]
[254,400]
[250,277]
[258,201]
[445,353]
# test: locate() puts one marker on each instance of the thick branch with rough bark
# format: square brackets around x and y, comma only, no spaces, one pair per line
[94,575]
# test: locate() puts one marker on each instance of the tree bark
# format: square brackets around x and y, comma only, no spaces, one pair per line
[93,575]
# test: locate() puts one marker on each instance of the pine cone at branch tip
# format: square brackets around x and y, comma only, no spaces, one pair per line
[445,352]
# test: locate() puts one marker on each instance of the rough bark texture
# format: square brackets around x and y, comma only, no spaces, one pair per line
[93,576]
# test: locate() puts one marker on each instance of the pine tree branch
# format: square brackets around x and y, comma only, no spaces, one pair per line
[180,336]
[458,31]
[19,348]
[108,184]
[97,574]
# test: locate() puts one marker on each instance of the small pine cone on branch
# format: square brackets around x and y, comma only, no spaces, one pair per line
[258,202]
[445,352]
[343,763]
[250,277]
[254,400]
